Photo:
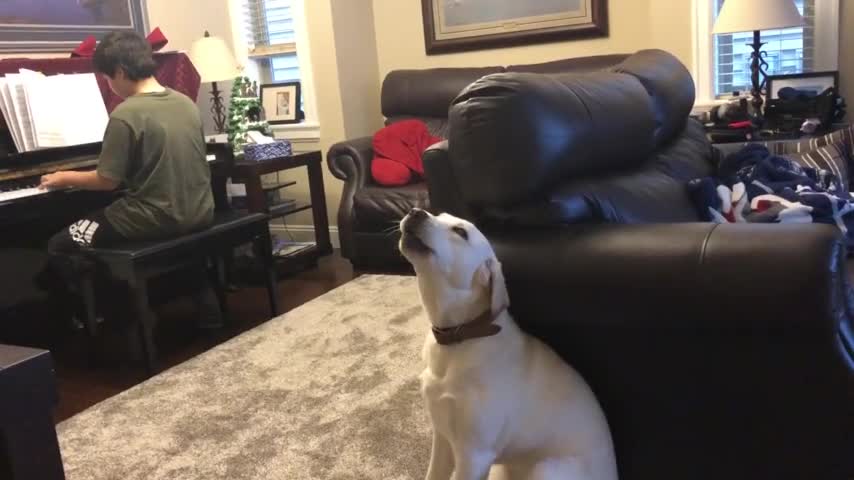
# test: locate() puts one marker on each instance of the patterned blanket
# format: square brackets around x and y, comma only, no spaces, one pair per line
[754,185]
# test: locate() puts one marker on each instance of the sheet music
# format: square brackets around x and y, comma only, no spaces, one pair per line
[8,114]
[52,111]
[65,109]
[22,111]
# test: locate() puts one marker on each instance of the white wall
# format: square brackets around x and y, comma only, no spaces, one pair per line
[185,21]
[634,25]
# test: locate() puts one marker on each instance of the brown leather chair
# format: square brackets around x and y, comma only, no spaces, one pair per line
[369,212]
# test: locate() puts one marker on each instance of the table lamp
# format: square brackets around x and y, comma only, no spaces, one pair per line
[215,63]
[757,15]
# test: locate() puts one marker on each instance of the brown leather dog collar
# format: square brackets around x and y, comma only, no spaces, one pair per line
[482,326]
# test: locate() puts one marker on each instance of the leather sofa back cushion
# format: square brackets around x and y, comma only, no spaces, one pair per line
[654,192]
[513,135]
[426,93]
[670,86]
[437,126]
[572,65]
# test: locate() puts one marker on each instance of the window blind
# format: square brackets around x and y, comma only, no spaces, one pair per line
[790,50]
[270,28]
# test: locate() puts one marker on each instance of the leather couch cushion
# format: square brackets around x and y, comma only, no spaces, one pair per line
[381,208]
[652,193]
[428,92]
[572,65]
[513,135]
[643,196]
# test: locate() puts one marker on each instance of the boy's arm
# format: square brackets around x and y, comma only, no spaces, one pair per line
[91,180]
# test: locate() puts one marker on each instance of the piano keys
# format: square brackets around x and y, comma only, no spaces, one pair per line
[21,184]
[10,194]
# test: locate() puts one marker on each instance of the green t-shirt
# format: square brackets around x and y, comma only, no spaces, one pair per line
[155,146]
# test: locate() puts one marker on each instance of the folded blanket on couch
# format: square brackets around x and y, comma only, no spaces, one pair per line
[753,185]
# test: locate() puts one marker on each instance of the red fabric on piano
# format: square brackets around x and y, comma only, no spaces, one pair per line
[174,70]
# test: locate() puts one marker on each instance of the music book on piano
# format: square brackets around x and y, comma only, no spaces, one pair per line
[52,111]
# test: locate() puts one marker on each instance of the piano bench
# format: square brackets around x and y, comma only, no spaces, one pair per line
[136,263]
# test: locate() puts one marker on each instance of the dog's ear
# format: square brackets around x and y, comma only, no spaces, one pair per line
[489,275]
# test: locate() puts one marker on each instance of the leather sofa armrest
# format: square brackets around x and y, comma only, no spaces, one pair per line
[721,331]
[350,160]
[690,275]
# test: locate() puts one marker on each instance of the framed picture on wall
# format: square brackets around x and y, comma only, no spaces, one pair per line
[460,25]
[281,102]
[59,25]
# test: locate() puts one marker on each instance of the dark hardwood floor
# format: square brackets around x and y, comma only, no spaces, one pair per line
[83,383]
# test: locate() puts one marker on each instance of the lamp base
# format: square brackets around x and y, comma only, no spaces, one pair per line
[217,108]
[758,74]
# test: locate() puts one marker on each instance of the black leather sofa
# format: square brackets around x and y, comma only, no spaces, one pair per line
[717,351]
[368,211]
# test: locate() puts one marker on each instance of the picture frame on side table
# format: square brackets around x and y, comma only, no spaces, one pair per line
[60,25]
[461,25]
[281,102]
[811,83]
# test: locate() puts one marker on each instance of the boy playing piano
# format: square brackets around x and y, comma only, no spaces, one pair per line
[153,145]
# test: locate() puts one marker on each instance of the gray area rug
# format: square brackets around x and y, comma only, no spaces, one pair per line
[326,391]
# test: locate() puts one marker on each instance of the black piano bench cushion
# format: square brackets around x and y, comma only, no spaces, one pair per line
[223,223]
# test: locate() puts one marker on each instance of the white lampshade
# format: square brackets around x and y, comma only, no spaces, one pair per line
[213,59]
[750,15]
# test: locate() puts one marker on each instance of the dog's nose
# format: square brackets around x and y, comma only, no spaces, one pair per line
[418,213]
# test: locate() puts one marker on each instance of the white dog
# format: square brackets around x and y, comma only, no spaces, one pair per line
[495,395]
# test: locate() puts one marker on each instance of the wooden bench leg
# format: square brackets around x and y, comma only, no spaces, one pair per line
[218,280]
[87,292]
[144,324]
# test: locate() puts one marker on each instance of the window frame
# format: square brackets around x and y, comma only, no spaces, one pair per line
[826,53]
[260,69]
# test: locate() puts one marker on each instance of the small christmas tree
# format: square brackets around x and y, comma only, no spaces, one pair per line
[244,114]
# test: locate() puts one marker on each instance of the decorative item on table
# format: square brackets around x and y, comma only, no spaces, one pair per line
[731,121]
[261,147]
[244,114]
[59,25]
[756,15]
[215,63]
[808,102]
[480,24]
[281,103]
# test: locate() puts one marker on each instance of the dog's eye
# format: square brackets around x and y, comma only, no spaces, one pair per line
[461,232]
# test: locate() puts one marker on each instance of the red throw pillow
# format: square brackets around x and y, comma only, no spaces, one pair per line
[390,173]
[397,152]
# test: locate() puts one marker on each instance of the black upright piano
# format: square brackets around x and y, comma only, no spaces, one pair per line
[28,216]
[24,209]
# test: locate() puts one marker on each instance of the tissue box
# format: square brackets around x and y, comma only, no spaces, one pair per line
[265,151]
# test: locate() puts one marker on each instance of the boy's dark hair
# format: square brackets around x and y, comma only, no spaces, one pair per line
[125,50]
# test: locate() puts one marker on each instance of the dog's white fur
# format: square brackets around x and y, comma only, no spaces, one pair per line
[507,399]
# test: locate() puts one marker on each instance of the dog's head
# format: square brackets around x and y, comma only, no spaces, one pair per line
[458,274]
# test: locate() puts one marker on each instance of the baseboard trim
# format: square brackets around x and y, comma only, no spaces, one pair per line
[303,233]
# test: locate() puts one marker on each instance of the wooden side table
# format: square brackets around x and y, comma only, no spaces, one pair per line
[29,448]
[250,173]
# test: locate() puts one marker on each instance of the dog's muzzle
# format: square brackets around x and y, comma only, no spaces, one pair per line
[411,228]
